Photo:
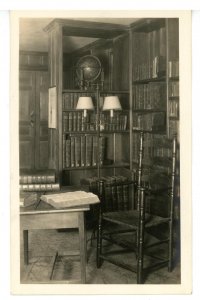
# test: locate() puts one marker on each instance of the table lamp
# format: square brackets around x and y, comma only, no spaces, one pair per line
[85,103]
[112,103]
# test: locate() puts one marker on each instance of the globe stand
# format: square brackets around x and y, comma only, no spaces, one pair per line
[88,70]
[85,84]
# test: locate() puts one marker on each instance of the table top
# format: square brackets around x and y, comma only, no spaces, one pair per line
[41,207]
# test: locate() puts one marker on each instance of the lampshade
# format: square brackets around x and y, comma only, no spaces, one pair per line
[85,103]
[112,103]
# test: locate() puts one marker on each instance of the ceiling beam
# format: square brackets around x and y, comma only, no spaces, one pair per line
[87,29]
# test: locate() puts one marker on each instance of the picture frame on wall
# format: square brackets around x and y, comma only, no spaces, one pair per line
[52,108]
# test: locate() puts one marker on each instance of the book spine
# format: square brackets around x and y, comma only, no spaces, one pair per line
[88,150]
[79,116]
[94,150]
[70,127]
[77,151]
[83,150]
[102,148]
[74,121]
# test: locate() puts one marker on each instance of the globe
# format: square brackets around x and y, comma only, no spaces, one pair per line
[88,68]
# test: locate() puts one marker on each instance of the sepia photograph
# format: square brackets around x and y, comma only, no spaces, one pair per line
[99,105]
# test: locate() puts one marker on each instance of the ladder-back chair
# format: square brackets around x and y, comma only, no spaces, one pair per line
[139,234]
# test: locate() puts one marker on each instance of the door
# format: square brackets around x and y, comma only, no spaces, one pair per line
[33,119]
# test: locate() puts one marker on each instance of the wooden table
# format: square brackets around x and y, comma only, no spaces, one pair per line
[45,216]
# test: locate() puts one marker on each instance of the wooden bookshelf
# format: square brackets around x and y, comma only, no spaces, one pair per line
[141,68]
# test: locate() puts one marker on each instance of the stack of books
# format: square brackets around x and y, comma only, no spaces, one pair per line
[36,181]
[116,193]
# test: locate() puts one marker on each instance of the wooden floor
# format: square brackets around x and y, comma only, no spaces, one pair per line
[43,245]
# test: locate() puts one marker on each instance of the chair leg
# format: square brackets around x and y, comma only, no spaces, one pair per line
[170,263]
[140,259]
[140,239]
[99,242]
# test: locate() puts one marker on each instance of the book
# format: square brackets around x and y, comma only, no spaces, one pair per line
[27,199]
[70,199]
[70,119]
[102,148]
[72,151]
[39,187]
[88,150]
[94,150]
[39,176]
[77,151]
[83,150]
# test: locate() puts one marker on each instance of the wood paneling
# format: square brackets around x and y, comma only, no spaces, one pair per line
[33,119]
[29,60]
[41,150]
[56,78]
[121,63]
[27,119]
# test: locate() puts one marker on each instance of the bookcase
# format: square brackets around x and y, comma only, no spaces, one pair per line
[83,149]
[155,82]
[155,101]
[89,144]
[141,67]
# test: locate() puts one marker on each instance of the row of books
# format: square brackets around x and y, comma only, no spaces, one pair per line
[150,122]
[119,122]
[149,55]
[161,148]
[37,187]
[155,69]
[149,96]
[173,68]
[116,192]
[150,70]
[82,150]
[75,121]
[70,99]
[173,88]
[36,181]
[173,108]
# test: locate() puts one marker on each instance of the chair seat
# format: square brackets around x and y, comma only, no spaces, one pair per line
[131,218]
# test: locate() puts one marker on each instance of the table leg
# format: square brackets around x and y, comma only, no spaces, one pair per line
[83,247]
[25,241]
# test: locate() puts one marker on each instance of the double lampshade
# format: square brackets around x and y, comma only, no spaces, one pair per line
[110,103]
